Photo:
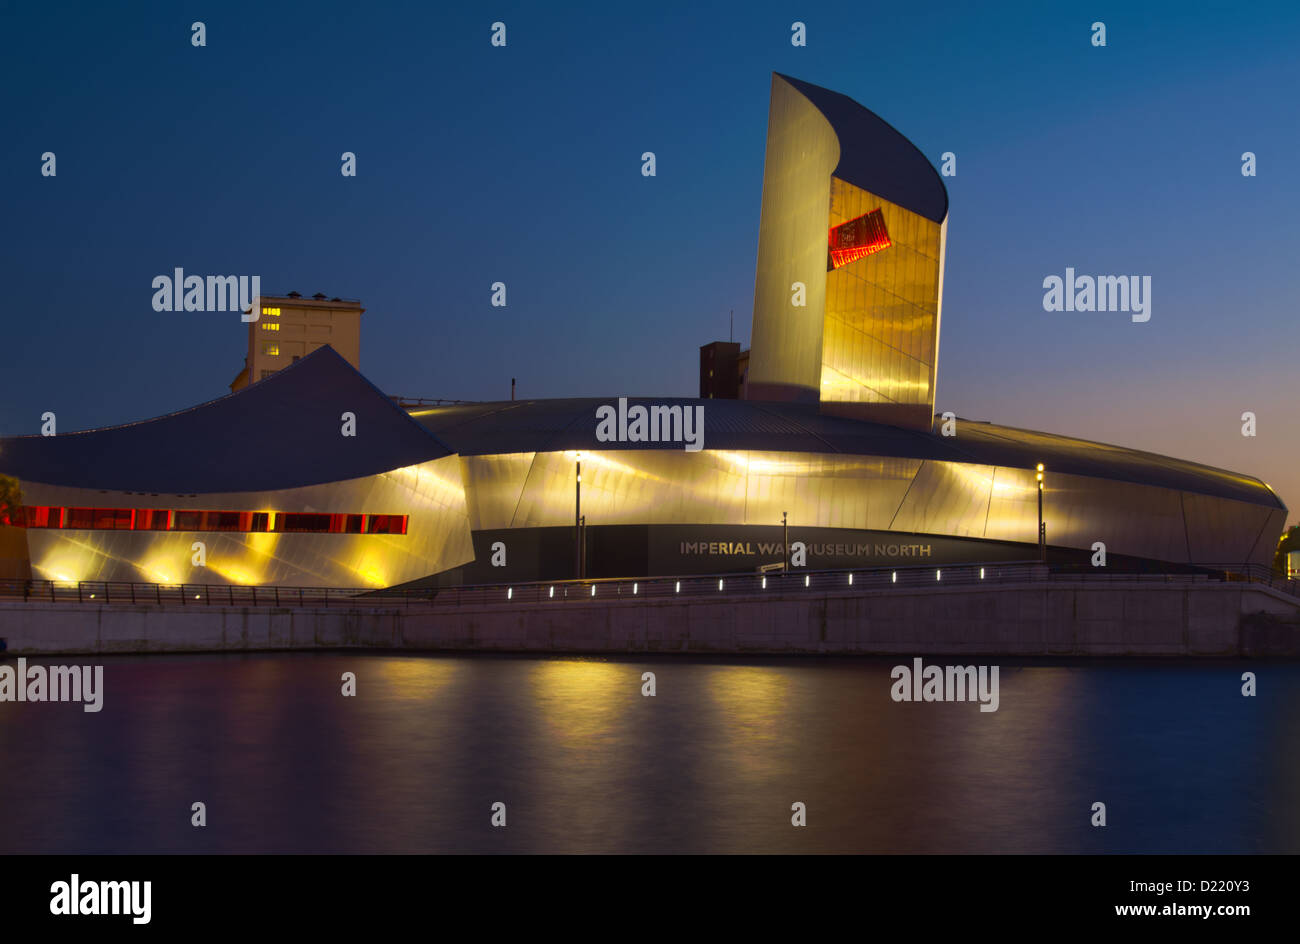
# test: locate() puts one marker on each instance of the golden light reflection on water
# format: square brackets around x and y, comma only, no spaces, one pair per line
[754,702]
[712,764]
[415,679]
[582,702]
[751,691]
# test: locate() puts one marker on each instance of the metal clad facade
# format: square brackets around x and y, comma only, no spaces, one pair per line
[880,336]
[802,151]
[432,494]
[876,493]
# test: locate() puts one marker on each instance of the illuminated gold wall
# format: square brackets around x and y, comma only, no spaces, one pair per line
[880,334]
[527,490]
[786,343]
[448,497]
[432,494]
[866,341]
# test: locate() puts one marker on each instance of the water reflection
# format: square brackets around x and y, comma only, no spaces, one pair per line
[711,763]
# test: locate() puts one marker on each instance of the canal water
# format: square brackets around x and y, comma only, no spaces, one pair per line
[713,762]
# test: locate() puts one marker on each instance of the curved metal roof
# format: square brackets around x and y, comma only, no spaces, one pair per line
[570,424]
[283,432]
[875,156]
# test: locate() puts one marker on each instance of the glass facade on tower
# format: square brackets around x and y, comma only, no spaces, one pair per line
[880,333]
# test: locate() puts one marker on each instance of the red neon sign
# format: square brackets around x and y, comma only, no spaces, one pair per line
[856,239]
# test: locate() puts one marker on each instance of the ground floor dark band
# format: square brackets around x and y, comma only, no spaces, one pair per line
[525,554]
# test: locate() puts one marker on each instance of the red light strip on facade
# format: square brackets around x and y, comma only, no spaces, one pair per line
[186,519]
[857,239]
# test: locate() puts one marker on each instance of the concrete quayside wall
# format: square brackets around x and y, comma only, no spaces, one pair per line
[1057,617]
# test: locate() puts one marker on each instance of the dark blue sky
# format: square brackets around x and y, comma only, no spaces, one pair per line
[522,164]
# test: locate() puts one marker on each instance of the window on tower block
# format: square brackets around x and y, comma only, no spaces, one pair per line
[856,239]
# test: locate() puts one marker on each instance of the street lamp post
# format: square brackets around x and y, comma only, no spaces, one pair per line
[1042,527]
[577,520]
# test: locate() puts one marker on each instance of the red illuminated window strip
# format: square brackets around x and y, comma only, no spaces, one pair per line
[188,519]
[857,239]
[386,524]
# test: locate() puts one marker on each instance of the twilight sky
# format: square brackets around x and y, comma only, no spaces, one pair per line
[522,164]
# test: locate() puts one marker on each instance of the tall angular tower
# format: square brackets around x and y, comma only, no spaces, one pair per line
[857,216]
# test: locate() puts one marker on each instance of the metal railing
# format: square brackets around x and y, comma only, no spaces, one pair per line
[1230,573]
[603,590]
[123,593]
